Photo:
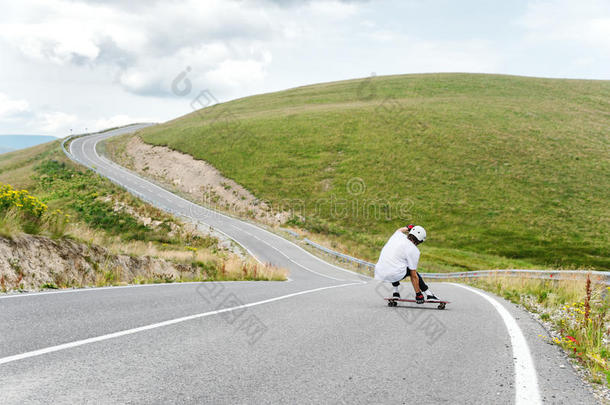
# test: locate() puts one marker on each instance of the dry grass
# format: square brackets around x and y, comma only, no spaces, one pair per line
[228,266]
[10,224]
[234,268]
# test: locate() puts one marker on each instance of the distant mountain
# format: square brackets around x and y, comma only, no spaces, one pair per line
[9,143]
[5,150]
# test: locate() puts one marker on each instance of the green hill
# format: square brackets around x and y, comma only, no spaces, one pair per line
[502,171]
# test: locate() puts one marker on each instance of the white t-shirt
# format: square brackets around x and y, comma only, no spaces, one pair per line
[398,254]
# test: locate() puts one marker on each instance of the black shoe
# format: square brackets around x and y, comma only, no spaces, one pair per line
[396,295]
[431,297]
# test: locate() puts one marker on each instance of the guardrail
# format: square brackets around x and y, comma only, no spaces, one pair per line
[601,277]
[63,146]
[291,232]
[596,276]
[340,256]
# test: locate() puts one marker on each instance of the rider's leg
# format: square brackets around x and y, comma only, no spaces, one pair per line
[425,289]
[419,284]
[396,294]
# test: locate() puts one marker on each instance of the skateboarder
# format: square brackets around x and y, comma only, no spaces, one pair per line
[398,260]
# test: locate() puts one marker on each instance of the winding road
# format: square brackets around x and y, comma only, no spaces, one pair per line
[324,336]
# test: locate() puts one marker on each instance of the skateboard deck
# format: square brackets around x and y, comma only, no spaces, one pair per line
[393,302]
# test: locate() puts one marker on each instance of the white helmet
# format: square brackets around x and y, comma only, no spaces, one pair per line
[419,232]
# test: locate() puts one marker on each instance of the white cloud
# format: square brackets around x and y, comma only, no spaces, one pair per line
[61,32]
[335,9]
[55,122]
[452,56]
[19,111]
[148,45]
[61,124]
[585,21]
[238,73]
[9,108]
[216,65]
[117,121]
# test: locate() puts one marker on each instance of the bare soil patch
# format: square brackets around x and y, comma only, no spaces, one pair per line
[198,179]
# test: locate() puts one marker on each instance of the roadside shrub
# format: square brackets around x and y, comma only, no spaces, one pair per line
[20,205]
[21,211]
[29,206]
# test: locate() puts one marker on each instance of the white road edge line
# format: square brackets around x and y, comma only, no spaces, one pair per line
[101,338]
[119,287]
[526,379]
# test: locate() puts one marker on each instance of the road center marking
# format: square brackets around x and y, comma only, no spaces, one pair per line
[526,379]
[101,338]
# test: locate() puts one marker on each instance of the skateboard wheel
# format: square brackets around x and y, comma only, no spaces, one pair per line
[390,304]
[441,305]
[394,304]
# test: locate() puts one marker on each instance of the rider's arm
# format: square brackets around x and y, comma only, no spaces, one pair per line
[406,229]
[415,281]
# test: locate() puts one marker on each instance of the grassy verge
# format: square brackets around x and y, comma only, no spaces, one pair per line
[232,269]
[577,310]
[497,168]
[32,262]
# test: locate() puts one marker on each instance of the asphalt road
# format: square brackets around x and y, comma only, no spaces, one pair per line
[325,336]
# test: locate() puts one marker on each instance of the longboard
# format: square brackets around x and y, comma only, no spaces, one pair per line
[393,302]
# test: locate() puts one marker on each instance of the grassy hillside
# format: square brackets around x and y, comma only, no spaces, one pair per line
[502,171]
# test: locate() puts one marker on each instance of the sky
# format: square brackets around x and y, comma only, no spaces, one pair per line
[84,65]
